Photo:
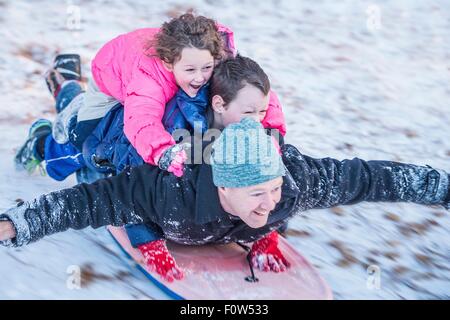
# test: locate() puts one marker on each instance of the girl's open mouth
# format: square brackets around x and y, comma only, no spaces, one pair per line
[195,87]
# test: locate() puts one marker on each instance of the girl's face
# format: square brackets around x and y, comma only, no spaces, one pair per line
[250,102]
[192,70]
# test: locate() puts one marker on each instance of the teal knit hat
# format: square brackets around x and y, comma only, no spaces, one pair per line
[244,155]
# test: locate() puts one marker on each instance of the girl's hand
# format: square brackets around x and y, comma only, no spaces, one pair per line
[177,164]
[7,231]
[174,158]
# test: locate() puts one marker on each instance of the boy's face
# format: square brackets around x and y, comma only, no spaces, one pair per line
[250,102]
[252,204]
[193,70]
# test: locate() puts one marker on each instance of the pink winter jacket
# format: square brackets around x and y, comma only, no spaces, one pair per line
[123,70]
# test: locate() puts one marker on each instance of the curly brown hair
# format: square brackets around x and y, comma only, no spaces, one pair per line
[187,31]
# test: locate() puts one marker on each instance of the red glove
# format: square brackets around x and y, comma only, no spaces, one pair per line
[266,256]
[159,259]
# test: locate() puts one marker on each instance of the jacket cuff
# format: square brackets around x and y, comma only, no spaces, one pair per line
[23,233]
[157,154]
[140,234]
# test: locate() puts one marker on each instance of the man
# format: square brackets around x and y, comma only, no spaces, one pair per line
[246,192]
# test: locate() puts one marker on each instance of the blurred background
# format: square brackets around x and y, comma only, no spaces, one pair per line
[368,79]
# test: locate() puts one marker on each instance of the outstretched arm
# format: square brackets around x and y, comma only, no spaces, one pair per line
[329,182]
[112,201]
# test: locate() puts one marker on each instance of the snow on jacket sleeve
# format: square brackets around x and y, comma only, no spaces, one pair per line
[329,182]
[144,105]
[127,198]
[274,118]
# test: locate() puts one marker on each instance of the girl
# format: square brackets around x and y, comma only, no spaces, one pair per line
[144,69]
[141,70]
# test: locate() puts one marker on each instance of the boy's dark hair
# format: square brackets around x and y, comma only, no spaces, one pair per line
[232,74]
[187,31]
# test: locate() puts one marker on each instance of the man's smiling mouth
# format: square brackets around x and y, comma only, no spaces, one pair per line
[259,214]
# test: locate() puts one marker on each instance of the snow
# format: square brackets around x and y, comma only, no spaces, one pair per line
[350,85]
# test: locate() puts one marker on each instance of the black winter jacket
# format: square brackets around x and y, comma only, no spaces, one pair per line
[187,209]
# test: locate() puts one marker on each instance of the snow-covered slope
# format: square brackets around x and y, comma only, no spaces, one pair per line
[350,84]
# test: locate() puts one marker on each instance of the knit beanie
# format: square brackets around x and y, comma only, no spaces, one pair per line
[244,155]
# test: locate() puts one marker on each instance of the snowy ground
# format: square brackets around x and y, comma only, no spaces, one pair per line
[366,79]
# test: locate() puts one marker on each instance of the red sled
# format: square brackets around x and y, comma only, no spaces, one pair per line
[222,272]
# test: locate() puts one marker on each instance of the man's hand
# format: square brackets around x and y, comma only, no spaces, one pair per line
[7,231]
[159,259]
[266,256]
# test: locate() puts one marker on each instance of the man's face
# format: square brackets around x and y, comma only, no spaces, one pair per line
[193,70]
[250,102]
[252,204]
